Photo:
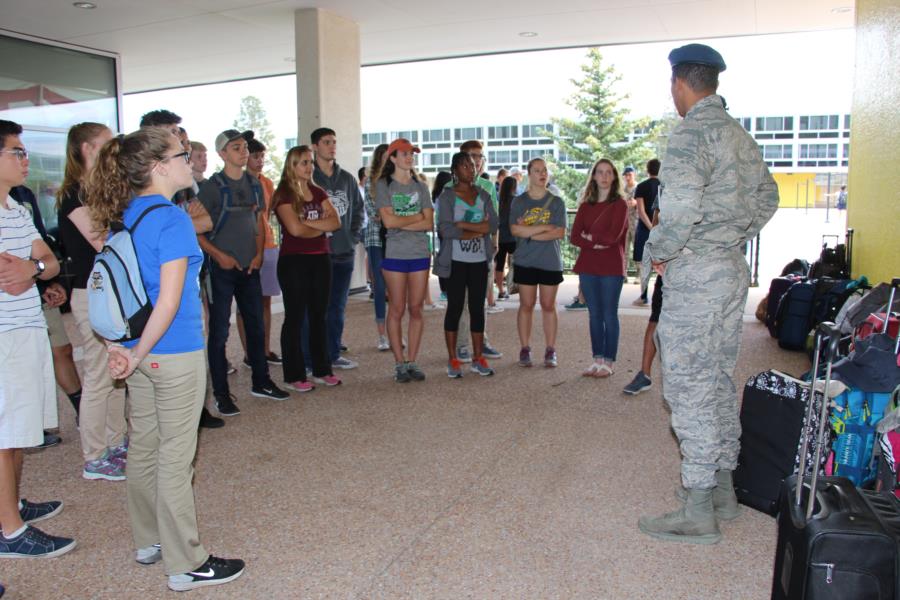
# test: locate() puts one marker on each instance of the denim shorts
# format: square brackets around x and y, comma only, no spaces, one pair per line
[406,265]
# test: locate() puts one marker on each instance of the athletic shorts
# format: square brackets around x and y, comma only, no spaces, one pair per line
[656,300]
[55,327]
[406,265]
[504,249]
[531,276]
[268,274]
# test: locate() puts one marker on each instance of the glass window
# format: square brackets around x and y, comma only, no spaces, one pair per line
[436,135]
[463,134]
[373,139]
[533,131]
[527,155]
[818,150]
[776,151]
[47,86]
[774,123]
[412,136]
[819,122]
[436,159]
[503,133]
[506,157]
[47,89]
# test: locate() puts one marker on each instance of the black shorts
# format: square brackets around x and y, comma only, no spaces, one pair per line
[656,300]
[530,276]
[504,249]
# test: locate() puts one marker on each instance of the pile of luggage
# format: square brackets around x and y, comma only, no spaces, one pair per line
[818,451]
[806,295]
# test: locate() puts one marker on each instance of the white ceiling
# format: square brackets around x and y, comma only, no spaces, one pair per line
[169,43]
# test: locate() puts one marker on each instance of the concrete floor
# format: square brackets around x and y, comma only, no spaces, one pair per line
[527,484]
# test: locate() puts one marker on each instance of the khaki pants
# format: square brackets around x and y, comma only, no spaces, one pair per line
[102,414]
[166,395]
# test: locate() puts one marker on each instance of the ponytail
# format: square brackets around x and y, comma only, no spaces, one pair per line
[75,161]
[122,171]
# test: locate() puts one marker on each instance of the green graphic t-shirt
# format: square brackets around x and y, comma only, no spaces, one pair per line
[405,200]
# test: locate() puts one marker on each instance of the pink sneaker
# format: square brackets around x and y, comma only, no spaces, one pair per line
[301,386]
[329,380]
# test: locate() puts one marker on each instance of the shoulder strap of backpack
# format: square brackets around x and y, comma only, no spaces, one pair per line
[256,186]
[225,193]
[141,216]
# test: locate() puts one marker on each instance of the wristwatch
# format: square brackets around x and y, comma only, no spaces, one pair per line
[39,265]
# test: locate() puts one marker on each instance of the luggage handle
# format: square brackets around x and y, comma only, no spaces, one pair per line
[827,331]
[895,283]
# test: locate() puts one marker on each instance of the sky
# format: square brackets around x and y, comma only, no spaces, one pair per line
[773,75]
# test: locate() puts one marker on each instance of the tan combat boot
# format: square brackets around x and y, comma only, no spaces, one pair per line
[724,500]
[693,523]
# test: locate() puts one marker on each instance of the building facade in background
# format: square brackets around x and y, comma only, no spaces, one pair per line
[808,154]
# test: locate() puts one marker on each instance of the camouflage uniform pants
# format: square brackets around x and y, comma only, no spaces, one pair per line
[700,336]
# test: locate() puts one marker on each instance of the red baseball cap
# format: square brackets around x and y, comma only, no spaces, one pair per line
[402,144]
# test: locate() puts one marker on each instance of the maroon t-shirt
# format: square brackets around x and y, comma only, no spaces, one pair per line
[312,211]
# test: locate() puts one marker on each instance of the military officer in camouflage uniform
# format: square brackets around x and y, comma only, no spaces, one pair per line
[716,193]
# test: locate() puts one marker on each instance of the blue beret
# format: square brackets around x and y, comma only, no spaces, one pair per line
[697,54]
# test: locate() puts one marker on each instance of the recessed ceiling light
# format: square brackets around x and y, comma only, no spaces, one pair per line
[84,5]
[528,34]
[839,10]
[290,59]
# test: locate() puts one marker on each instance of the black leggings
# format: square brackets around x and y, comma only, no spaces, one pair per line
[471,278]
[305,281]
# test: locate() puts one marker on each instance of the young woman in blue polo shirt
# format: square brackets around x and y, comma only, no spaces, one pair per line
[165,368]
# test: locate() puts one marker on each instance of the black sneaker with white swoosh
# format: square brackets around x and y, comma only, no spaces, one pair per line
[214,571]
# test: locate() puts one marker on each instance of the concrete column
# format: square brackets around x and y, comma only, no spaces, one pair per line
[326,48]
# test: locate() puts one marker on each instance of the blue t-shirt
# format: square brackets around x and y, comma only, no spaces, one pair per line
[164,235]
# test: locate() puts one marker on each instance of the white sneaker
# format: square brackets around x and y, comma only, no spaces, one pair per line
[383,343]
[493,309]
[149,555]
[344,363]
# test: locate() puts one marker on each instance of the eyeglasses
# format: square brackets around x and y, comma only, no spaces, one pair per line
[20,153]
[476,157]
[185,155]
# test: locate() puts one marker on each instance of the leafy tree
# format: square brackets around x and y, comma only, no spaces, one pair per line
[601,129]
[253,116]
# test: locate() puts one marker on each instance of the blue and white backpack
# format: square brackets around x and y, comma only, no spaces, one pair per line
[118,306]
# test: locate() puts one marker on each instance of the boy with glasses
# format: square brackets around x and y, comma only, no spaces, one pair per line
[24,348]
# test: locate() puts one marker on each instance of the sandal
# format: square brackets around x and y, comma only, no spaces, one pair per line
[598,370]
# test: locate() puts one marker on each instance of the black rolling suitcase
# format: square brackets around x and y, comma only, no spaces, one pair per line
[792,324]
[837,543]
[773,407]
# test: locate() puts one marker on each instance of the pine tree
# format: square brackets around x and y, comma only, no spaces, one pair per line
[601,129]
[253,116]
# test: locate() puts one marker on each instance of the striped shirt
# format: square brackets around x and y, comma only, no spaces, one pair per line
[17,232]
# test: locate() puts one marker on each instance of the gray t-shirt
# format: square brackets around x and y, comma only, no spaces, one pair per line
[237,236]
[406,200]
[533,253]
[469,251]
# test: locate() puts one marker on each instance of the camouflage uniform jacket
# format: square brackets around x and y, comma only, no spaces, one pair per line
[716,192]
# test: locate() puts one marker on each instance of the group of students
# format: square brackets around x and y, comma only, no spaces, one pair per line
[202,243]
